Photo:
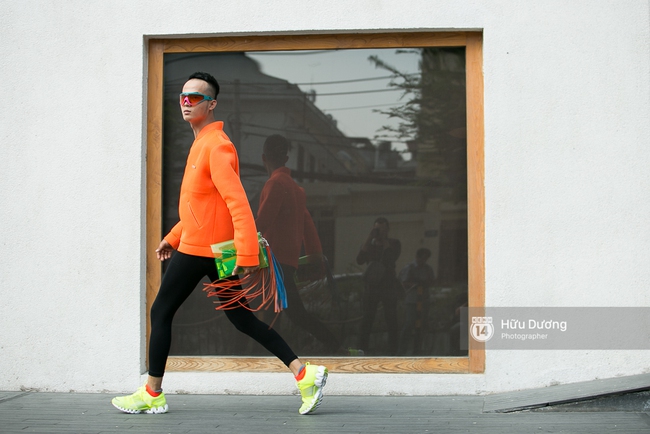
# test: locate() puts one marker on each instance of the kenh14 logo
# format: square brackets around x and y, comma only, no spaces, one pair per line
[482,329]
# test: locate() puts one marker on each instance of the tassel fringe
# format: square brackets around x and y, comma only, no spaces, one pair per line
[267,284]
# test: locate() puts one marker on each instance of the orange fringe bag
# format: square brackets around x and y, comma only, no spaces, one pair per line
[266,283]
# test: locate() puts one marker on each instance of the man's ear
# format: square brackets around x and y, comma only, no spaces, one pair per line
[286,158]
[213,104]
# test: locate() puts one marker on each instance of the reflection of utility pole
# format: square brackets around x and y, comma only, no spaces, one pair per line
[307,96]
[236,124]
[301,161]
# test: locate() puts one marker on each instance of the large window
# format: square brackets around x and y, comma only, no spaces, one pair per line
[379,132]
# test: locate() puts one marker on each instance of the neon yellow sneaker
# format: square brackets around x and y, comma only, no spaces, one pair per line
[140,402]
[311,387]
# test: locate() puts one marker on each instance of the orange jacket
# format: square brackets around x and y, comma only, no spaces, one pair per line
[283,219]
[213,206]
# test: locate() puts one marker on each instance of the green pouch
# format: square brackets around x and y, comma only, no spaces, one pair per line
[225,256]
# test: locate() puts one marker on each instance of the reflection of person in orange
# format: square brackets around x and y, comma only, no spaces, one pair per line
[380,282]
[286,224]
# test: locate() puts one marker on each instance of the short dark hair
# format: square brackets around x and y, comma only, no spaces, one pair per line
[423,253]
[208,79]
[382,220]
[276,147]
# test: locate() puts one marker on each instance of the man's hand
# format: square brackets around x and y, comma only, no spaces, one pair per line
[244,270]
[164,250]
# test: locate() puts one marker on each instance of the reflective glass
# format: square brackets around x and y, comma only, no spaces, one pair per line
[378,143]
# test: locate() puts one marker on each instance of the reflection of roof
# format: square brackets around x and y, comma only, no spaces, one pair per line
[225,67]
[249,99]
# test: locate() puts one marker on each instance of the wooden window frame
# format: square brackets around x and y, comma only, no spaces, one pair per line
[473,43]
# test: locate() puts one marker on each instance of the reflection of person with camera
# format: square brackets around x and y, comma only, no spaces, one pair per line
[380,282]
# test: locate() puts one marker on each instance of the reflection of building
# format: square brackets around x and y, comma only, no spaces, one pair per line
[349,180]
[254,105]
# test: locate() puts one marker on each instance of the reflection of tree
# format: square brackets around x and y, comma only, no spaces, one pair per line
[433,116]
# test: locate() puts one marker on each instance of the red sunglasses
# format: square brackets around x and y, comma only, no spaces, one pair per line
[193,98]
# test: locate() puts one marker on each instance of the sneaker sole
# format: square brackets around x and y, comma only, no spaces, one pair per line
[154,410]
[319,381]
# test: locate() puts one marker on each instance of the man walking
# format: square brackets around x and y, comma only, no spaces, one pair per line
[213,207]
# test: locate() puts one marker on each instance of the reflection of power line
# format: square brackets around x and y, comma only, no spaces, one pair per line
[302,94]
[360,107]
[256,111]
[287,83]
[321,83]
[357,92]
[315,142]
[318,83]
[289,53]
[362,178]
[303,141]
[352,80]
[355,80]
[298,131]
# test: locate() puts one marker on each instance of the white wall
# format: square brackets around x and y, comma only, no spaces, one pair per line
[567,146]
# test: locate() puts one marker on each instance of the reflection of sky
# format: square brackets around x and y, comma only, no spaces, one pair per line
[350,106]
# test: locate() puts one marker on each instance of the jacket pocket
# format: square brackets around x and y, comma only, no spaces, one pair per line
[193,214]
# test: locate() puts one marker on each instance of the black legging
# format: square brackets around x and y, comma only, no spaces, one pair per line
[183,274]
